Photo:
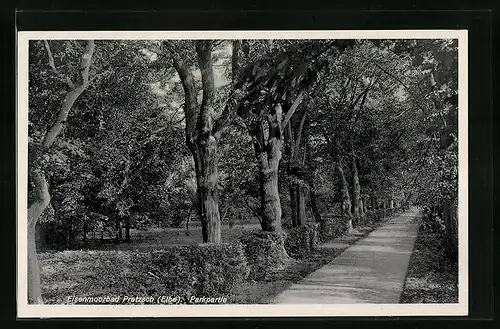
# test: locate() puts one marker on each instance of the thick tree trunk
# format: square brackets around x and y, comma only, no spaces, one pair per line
[293,203]
[205,154]
[34,288]
[42,200]
[357,205]
[297,204]
[450,219]
[365,204]
[201,138]
[301,206]
[374,202]
[210,193]
[361,211]
[346,199]
[199,192]
[271,219]
[271,204]
[314,207]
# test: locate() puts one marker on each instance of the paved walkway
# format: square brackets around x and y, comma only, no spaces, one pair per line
[373,270]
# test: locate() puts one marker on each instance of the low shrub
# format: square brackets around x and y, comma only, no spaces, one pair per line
[375,216]
[333,227]
[265,253]
[201,270]
[184,271]
[302,240]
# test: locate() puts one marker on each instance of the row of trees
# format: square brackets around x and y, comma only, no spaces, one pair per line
[164,131]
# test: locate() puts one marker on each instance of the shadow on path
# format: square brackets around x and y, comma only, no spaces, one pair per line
[373,270]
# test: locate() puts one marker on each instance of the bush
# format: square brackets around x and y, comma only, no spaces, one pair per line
[375,216]
[333,227]
[265,253]
[202,270]
[302,240]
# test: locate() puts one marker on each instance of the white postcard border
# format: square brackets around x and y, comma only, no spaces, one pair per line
[25,310]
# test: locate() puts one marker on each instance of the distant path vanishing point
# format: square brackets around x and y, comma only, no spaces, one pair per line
[373,270]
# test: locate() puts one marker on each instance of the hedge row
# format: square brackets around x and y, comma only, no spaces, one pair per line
[195,270]
[184,271]
[202,270]
[265,253]
[333,227]
[302,240]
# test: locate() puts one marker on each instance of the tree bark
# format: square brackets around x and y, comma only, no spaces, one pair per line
[293,138]
[314,206]
[268,151]
[271,213]
[293,203]
[201,137]
[72,96]
[42,200]
[209,191]
[235,67]
[356,195]
[451,227]
[346,199]
[301,205]
[344,187]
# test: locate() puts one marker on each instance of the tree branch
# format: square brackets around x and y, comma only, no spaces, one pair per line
[206,113]
[292,109]
[402,83]
[254,211]
[86,61]
[71,97]
[60,75]
[301,128]
[188,84]
[42,197]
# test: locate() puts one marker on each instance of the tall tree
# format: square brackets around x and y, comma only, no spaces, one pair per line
[279,82]
[204,125]
[41,195]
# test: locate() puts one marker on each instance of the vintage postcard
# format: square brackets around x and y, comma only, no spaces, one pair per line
[242,173]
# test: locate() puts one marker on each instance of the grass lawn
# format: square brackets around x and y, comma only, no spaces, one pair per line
[432,277]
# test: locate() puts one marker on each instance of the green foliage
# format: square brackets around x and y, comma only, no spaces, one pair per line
[201,270]
[333,227]
[302,240]
[122,152]
[265,253]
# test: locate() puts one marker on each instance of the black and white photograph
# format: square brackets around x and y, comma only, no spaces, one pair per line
[233,173]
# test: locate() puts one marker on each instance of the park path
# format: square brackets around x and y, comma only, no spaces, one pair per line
[373,270]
